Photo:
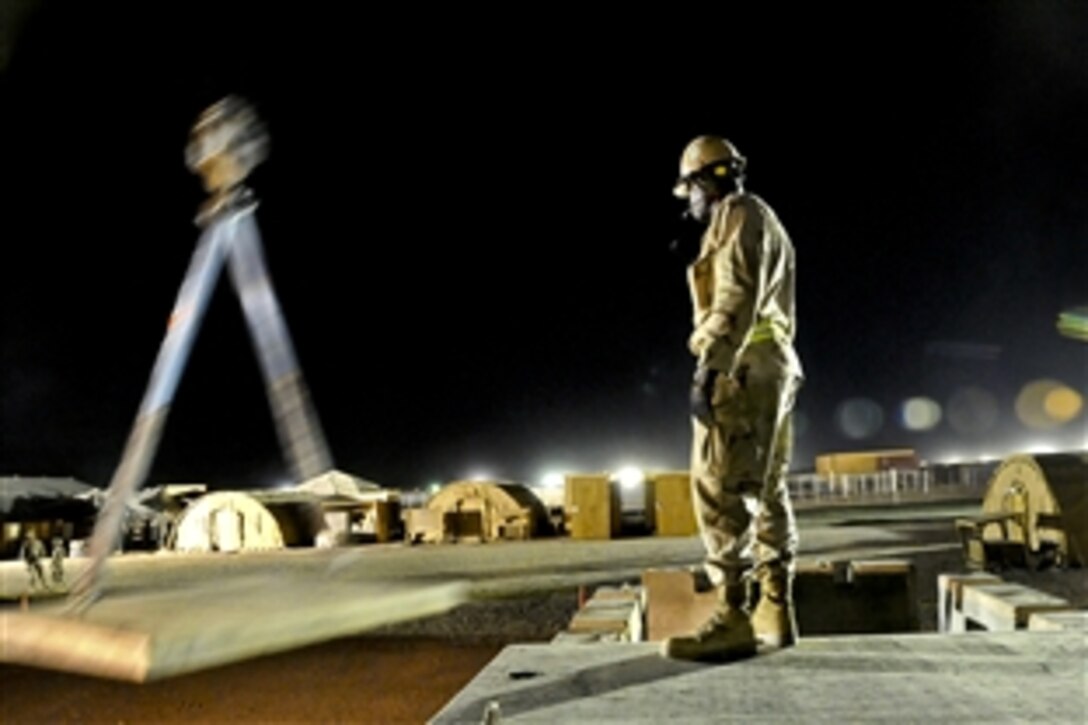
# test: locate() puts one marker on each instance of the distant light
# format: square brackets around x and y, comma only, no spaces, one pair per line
[1073,323]
[860,418]
[1040,448]
[480,476]
[553,480]
[1063,404]
[1047,404]
[921,414]
[433,488]
[630,477]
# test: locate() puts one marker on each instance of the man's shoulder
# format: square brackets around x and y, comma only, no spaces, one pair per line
[749,203]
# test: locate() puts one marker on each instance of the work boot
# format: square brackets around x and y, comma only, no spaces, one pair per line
[726,636]
[773,618]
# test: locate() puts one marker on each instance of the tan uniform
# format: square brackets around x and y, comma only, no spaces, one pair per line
[742,288]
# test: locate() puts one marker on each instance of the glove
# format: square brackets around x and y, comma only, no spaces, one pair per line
[702,395]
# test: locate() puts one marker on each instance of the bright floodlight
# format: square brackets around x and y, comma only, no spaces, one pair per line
[1038,448]
[553,480]
[630,477]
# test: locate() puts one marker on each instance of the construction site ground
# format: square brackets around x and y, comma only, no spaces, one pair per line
[520,592]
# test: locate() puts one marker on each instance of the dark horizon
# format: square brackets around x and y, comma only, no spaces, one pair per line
[469,232]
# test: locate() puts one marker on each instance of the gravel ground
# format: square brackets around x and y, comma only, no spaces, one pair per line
[506,620]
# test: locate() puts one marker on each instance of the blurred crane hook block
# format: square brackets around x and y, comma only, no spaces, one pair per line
[848,597]
[143,636]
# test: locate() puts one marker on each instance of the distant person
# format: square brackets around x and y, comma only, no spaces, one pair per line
[746,377]
[57,561]
[32,553]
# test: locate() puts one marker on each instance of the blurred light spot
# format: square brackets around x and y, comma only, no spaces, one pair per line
[479,476]
[434,488]
[972,410]
[1073,323]
[921,414]
[553,480]
[859,418]
[1063,404]
[1046,404]
[630,477]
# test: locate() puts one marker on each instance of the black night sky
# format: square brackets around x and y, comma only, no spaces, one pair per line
[467,217]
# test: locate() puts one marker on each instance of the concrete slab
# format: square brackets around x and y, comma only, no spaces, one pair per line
[1006,606]
[979,677]
[1075,620]
[950,598]
[142,636]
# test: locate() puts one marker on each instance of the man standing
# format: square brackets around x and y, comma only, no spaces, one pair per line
[57,561]
[746,377]
[32,553]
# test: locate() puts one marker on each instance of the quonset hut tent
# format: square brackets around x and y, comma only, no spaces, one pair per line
[480,511]
[239,521]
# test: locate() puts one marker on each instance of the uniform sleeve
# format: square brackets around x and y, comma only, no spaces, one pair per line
[739,281]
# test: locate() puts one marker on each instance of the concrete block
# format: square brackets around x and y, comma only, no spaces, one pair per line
[619,616]
[568,637]
[1005,607]
[950,598]
[1075,620]
[632,594]
[673,606]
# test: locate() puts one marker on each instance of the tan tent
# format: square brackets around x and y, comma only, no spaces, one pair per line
[480,511]
[237,521]
[338,483]
[355,510]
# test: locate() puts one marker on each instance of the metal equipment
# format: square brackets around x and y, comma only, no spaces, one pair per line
[226,144]
[1034,514]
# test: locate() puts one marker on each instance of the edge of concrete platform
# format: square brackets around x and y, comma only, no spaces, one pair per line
[984,676]
[144,638]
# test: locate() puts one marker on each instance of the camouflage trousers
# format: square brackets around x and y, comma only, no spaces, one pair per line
[738,470]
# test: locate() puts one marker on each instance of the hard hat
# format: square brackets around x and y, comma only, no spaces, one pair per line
[711,155]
